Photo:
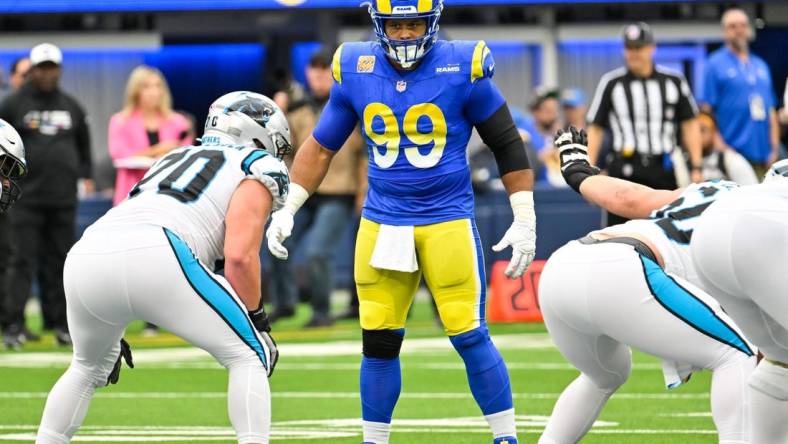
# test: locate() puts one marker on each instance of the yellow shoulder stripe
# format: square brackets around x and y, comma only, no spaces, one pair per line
[477,63]
[336,65]
[425,5]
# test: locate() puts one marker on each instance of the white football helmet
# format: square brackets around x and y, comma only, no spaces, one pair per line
[12,164]
[249,119]
[778,171]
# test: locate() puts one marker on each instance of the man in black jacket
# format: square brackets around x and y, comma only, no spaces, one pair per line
[54,129]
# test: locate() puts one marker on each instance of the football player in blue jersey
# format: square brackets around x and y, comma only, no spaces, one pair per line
[417,99]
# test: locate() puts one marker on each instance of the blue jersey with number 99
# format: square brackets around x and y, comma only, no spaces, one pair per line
[416,125]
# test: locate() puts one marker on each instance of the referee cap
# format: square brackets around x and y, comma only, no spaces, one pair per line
[638,34]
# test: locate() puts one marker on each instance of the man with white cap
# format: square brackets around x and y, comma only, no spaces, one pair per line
[53,127]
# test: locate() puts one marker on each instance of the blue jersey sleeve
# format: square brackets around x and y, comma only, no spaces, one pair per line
[336,122]
[484,99]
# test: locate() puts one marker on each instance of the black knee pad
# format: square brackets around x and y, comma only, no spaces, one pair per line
[381,344]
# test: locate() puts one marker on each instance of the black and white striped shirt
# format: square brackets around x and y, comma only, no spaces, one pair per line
[643,114]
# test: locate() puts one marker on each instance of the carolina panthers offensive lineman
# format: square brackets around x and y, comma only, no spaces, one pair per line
[417,99]
[740,248]
[635,285]
[152,257]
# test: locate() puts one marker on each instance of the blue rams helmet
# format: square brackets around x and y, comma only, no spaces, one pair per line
[406,52]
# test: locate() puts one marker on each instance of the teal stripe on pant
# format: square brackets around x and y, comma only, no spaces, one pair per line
[687,307]
[216,296]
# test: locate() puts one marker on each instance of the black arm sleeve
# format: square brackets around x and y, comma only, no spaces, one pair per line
[501,135]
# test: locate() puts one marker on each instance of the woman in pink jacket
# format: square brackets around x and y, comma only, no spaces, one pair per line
[146,129]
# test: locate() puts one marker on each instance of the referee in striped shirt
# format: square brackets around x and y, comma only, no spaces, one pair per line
[644,107]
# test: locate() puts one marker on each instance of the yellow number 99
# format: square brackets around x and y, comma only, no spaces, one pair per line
[437,135]
[390,138]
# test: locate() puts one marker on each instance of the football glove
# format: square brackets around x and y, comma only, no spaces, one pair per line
[521,235]
[260,321]
[281,228]
[125,354]
[572,148]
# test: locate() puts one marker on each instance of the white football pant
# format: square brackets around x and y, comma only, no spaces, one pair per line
[743,256]
[599,300]
[117,275]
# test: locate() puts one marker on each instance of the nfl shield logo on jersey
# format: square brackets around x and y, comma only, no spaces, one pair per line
[402,86]
[365,64]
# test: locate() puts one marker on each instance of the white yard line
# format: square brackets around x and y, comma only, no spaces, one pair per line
[319,430]
[342,395]
[354,366]
[686,415]
[317,349]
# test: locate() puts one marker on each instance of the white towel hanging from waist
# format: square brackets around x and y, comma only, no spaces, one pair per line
[395,249]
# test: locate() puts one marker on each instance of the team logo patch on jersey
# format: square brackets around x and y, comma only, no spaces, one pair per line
[402,86]
[365,64]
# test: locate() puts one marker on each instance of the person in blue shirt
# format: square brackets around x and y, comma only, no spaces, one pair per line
[738,89]
[417,98]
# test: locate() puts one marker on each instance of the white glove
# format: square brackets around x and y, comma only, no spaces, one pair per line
[521,236]
[273,351]
[263,326]
[281,228]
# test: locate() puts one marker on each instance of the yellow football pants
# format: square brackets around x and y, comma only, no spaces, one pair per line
[450,257]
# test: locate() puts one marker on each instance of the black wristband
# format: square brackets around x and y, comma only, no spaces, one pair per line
[260,320]
[577,172]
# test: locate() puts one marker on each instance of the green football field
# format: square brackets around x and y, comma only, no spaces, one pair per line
[177,393]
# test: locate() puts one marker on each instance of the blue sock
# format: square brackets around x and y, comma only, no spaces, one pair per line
[381,382]
[487,374]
